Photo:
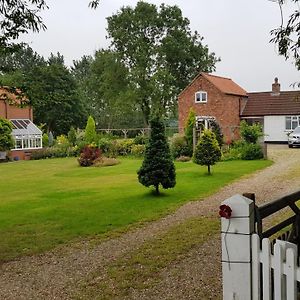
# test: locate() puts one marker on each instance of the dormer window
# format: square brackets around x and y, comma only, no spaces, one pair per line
[201,97]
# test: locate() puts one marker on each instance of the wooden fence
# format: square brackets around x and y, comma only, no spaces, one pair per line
[255,266]
[274,276]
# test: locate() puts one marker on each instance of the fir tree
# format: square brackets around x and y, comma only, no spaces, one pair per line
[207,151]
[189,129]
[158,167]
[72,136]
[90,131]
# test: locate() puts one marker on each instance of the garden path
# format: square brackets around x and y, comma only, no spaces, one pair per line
[58,274]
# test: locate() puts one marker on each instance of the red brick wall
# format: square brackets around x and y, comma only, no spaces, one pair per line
[13,112]
[225,108]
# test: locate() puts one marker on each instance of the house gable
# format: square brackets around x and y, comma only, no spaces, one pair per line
[224,100]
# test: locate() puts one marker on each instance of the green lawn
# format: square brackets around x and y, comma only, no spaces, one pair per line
[49,202]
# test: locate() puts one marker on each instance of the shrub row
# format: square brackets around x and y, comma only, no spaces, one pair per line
[54,152]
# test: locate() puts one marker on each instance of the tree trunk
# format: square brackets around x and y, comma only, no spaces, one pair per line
[208,169]
[157,189]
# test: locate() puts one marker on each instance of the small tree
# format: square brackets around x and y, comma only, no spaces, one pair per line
[90,131]
[207,151]
[250,133]
[189,129]
[72,136]
[45,140]
[50,139]
[216,129]
[6,140]
[158,167]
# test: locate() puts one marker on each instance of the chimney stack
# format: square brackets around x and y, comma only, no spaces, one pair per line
[275,87]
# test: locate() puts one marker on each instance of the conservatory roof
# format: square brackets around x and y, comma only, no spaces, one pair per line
[24,127]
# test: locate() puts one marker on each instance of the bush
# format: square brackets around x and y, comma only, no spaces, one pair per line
[138,150]
[53,152]
[183,158]
[45,140]
[88,156]
[141,139]
[72,136]
[216,129]
[123,146]
[243,150]
[251,151]
[250,133]
[105,144]
[6,140]
[179,146]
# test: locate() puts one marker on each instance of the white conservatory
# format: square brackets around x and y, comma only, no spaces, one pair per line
[26,135]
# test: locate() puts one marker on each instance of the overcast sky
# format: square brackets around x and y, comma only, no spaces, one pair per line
[237,31]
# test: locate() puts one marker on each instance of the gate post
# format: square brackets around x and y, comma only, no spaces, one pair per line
[236,248]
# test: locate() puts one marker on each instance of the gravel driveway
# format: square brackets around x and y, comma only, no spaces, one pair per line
[57,274]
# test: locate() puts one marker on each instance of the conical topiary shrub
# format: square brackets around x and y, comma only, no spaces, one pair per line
[207,151]
[158,167]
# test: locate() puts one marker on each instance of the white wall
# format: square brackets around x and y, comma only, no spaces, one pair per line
[274,129]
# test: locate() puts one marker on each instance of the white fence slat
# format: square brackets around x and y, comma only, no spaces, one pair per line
[290,274]
[255,267]
[279,280]
[266,269]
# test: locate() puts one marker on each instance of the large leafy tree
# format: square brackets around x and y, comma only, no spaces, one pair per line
[160,51]
[49,86]
[158,167]
[53,93]
[22,16]
[106,91]
[287,35]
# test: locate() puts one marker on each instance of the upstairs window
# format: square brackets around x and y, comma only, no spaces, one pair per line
[201,97]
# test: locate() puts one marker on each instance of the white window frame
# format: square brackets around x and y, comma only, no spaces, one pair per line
[202,98]
[291,122]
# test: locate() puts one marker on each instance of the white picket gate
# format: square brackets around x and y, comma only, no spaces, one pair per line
[252,272]
[282,285]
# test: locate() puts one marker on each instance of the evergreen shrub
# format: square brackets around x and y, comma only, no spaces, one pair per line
[207,151]
[157,167]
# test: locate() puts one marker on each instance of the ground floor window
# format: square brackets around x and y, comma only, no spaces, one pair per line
[204,122]
[291,122]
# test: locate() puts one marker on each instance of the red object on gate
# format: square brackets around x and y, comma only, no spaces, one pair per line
[225,211]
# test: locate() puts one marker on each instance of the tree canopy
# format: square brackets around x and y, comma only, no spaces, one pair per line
[161,53]
[287,35]
[21,16]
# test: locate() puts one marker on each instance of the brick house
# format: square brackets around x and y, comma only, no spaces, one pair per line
[213,97]
[15,107]
[221,99]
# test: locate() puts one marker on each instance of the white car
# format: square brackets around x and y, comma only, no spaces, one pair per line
[294,137]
